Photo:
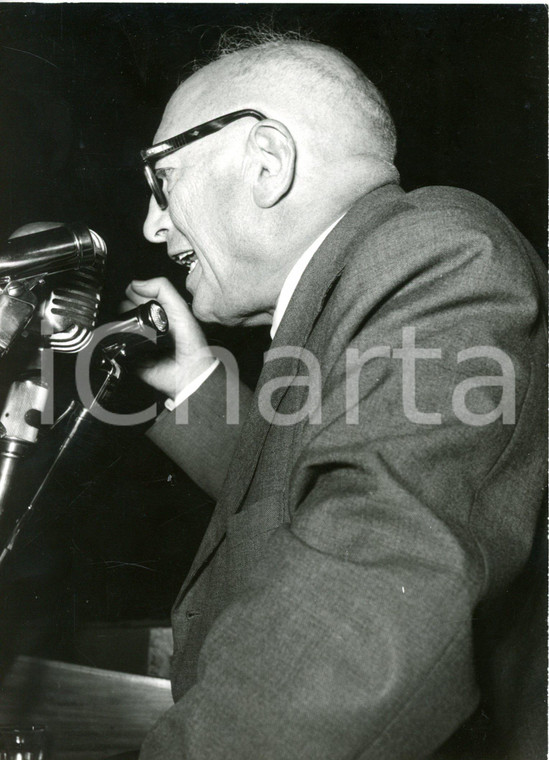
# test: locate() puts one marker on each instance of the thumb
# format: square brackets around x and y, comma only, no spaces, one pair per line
[184,328]
[159,288]
[151,288]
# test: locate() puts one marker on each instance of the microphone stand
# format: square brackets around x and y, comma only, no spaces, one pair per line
[77,415]
[20,422]
[28,394]
[147,316]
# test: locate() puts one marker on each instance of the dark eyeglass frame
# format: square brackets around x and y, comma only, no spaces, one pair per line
[161,149]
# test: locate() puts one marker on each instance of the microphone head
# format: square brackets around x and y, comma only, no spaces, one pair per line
[72,307]
[40,249]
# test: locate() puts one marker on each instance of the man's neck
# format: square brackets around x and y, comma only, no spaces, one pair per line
[296,272]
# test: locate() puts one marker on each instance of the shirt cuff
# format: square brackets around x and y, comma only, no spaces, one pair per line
[190,388]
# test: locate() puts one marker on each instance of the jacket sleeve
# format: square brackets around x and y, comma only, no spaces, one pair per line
[196,435]
[355,636]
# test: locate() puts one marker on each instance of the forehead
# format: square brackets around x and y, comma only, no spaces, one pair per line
[195,101]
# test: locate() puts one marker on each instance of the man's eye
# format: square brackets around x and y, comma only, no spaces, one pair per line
[164,176]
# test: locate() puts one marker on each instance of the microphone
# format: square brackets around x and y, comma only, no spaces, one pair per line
[17,306]
[70,312]
[72,307]
[50,251]
[122,338]
[137,322]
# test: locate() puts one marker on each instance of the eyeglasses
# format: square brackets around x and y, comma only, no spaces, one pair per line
[151,155]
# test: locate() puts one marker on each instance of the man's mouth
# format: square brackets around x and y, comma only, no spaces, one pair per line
[186,259]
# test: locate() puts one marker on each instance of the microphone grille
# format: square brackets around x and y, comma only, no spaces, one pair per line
[73,305]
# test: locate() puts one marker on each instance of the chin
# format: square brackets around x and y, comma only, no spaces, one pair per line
[205,313]
[210,313]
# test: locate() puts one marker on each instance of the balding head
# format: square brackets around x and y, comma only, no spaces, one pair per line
[250,198]
[323,98]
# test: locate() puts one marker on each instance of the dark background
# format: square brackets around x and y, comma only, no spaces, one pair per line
[82,89]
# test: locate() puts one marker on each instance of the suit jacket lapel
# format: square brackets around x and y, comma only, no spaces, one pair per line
[298,321]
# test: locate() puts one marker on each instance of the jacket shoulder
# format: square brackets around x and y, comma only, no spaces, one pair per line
[476,214]
[437,227]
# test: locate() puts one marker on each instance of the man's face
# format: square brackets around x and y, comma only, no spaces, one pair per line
[208,216]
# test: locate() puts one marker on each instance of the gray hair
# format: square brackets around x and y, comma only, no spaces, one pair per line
[347,88]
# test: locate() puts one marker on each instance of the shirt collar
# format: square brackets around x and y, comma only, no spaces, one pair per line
[294,276]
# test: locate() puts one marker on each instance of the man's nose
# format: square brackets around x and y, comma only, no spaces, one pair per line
[157,224]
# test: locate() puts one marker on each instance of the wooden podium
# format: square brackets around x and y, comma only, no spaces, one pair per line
[90,713]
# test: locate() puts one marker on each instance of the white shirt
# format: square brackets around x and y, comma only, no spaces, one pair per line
[290,284]
[294,276]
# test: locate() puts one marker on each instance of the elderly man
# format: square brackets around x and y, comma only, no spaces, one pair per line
[378,494]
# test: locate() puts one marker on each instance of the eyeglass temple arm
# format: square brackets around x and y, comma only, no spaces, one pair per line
[203,130]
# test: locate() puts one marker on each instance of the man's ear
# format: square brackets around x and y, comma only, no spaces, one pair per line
[272,155]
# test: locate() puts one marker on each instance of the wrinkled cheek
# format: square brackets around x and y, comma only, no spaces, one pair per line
[177,213]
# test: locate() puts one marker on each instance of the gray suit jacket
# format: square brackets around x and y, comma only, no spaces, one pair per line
[335,606]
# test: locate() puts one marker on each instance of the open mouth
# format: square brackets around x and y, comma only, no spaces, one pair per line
[186,259]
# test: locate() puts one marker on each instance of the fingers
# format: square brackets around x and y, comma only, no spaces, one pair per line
[133,299]
[126,305]
[146,288]
[142,291]
[191,353]
[182,322]
[159,288]
[162,290]
[190,342]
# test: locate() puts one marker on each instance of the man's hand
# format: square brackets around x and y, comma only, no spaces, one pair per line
[191,356]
